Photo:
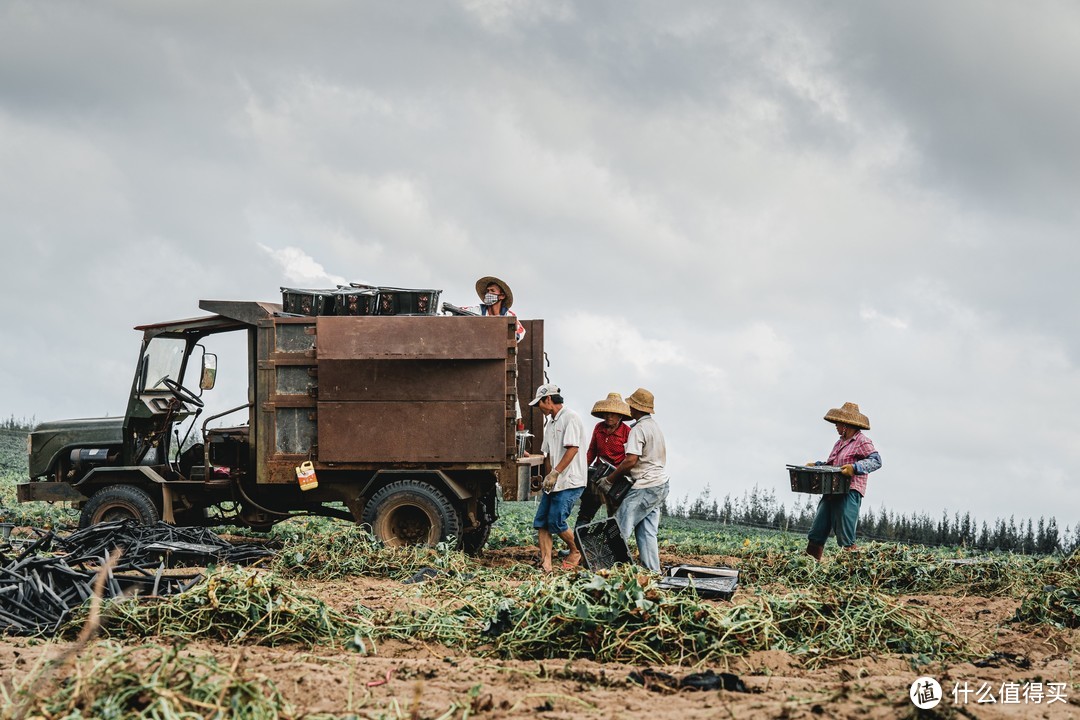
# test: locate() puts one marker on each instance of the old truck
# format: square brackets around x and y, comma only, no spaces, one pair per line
[408,423]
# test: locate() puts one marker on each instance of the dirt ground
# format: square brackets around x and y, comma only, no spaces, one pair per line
[417,680]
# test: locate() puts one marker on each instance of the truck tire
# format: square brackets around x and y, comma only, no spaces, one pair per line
[411,512]
[119,502]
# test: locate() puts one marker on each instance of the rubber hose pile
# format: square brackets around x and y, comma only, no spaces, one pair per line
[39,590]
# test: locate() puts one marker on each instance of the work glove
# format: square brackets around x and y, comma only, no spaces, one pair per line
[848,470]
[604,484]
[810,463]
[550,480]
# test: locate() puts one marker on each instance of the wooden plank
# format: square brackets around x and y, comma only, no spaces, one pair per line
[406,432]
[411,380]
[437,337]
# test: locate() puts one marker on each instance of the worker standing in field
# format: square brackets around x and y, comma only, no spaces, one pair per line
[564,436]
[608,444]
[645,464]
[856,456]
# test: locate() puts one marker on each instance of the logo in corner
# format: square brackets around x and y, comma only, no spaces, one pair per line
[925,693]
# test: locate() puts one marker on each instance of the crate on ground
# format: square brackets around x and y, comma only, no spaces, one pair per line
[297,301]
[709,582]
[405,301]
[349,300]
[601,544]
[818,479]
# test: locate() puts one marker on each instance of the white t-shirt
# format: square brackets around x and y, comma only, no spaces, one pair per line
[647,442]
[566,430]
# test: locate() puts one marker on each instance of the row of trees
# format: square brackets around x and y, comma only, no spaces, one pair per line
[760,509]
[22,425]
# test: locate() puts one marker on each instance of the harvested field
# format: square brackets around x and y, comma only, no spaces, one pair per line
[336,626]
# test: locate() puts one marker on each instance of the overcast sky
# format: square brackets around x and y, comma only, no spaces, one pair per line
[757,210]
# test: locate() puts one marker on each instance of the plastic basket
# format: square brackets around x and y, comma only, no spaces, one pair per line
[403,301]
[818,479]
[356,301]
[297,301]
[601,544]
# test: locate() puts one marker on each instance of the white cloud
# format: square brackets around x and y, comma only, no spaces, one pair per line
[600,341]
[506,16]
[872,316]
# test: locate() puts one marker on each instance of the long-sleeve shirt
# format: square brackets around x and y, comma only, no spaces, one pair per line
[609,445]
[858,451]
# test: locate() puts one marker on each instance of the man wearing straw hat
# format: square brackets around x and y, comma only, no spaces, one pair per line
[645,461]
[496,299]
[563,437]
[855,455]
[609,445]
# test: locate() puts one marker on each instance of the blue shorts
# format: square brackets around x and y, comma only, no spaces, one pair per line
[555,509]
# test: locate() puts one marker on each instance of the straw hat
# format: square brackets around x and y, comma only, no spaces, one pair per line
[849,415]
[613,403]
[481,289]
[641,400]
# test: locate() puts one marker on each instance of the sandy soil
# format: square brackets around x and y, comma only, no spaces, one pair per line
[416,680]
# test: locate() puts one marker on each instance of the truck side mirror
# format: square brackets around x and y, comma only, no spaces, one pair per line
[209,371]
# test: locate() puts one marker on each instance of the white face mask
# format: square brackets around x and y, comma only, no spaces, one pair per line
[491,299]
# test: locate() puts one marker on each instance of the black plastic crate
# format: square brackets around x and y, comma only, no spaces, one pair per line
[710,582]
[601,544]
[818,479]
[404,301]
[356,301]
[298,301]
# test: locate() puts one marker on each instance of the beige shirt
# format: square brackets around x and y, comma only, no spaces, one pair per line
[564,431]
[647,442]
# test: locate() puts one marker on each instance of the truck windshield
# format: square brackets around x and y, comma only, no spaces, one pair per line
[163,359]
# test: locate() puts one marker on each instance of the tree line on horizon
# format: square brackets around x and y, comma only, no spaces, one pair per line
[759,508]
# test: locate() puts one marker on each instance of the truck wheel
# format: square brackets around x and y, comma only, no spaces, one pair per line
[119,502]
[411,512]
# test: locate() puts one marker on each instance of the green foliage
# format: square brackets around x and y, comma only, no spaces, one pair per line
[622,616]
[13,469]
[236,605]
[1057,600]
[318,548]
[766,557]
[1057,606]
[150,681]
[13,452]
[35,514]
